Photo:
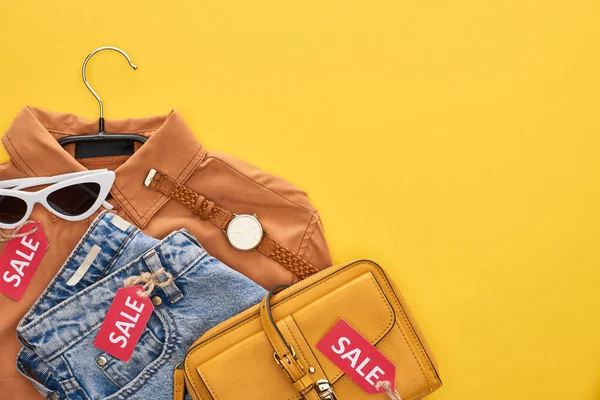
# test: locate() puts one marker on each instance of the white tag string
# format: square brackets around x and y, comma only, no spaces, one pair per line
[387,387]
[7,237]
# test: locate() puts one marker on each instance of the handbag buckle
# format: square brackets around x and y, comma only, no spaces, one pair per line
[287,360]
[324,390]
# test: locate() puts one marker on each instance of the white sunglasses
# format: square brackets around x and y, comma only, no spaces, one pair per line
[72,197]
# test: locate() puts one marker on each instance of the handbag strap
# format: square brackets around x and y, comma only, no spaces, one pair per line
[209,211]
[178,382]
[285,355]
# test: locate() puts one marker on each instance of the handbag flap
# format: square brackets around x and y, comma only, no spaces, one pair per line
[360,301]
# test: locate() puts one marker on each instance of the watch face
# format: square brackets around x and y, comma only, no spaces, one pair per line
[244,232]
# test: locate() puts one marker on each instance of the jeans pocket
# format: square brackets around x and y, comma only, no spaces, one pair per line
[152,353]
[122,373]
[101,376]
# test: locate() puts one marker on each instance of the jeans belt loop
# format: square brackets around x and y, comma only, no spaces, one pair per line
[153,263]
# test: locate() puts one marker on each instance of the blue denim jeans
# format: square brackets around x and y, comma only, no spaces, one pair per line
[58,331]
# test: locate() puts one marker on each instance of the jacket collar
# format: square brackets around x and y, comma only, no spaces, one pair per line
[31,142]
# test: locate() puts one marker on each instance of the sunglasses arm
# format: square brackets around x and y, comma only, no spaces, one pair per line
[107,205]
[24,183]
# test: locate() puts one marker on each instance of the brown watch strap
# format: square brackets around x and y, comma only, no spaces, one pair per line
[271,248]
[206,209]
[209,211]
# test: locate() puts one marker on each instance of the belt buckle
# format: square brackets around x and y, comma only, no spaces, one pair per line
[149,178]
[287,360]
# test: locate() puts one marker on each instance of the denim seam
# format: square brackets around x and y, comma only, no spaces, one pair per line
[171,340]
[67,385]
[162,358]
[72,341]
[191,265]
[92,287]
[76,339]
[154,264]
[72,378]
[125,242]
[66,264]
[85,291]
[29,375]
[153,335]
[105,372]
[112,372]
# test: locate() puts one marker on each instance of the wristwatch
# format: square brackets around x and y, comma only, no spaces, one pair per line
[243,231]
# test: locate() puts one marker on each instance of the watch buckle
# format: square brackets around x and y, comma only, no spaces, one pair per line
[149,178]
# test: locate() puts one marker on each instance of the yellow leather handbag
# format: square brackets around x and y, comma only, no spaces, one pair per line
[269,351]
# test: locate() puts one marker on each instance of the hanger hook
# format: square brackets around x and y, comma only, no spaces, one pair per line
[101,130]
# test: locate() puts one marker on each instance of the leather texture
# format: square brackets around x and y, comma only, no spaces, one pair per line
[209,211]
[179,386]
[269,351]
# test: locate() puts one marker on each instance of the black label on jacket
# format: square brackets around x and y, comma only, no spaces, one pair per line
[104,149]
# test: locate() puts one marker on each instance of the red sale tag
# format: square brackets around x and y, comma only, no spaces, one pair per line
[358,358]
[21,258]
[124,323]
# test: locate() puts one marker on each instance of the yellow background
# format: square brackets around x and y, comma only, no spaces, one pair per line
[455,142]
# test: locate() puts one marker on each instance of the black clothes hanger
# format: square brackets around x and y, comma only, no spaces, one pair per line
[100,144]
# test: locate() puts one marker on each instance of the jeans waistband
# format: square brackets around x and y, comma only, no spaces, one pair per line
[107,240]
[44,330]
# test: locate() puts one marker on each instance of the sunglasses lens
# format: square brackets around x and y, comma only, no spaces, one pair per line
[12,209]
[74,200]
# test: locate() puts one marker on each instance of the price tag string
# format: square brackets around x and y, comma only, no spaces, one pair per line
[7,237]
[149,281]
[387,387]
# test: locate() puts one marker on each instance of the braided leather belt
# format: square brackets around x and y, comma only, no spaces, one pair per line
[243,231]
